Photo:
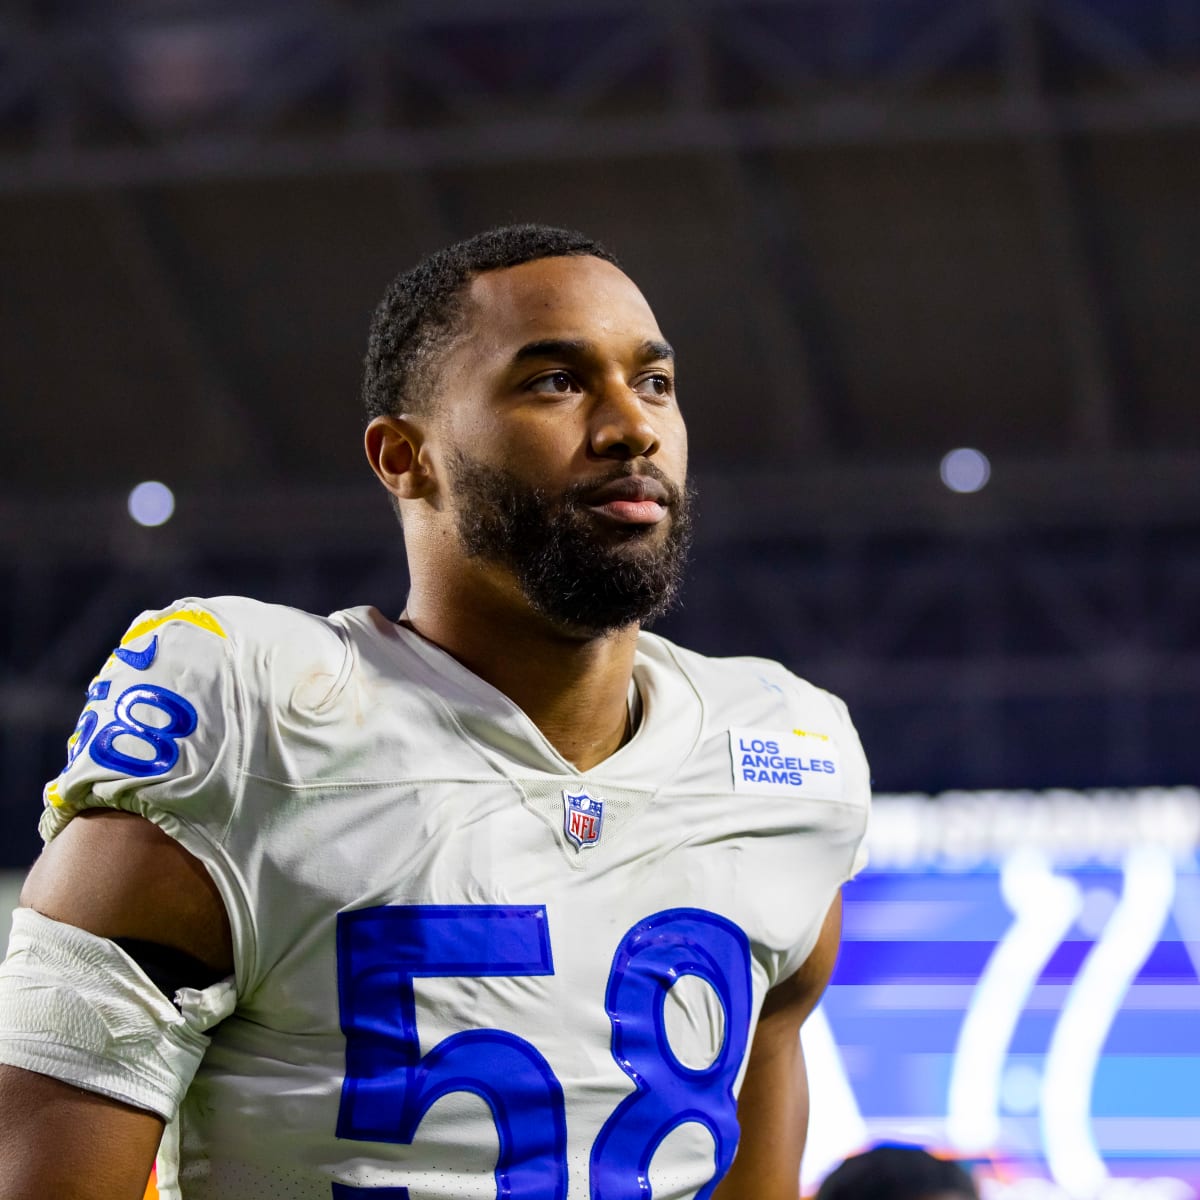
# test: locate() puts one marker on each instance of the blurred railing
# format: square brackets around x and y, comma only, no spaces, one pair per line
[124,93]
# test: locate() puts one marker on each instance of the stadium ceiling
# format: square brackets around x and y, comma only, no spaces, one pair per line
[902,225]
[129,93]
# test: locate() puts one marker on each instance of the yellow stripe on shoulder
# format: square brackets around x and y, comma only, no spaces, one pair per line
[193,616]
[190,616]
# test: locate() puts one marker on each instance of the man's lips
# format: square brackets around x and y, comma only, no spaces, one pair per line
[631,500]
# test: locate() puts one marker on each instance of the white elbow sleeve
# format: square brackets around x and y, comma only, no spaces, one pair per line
[76,1007]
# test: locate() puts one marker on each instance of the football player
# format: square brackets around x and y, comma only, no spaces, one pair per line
[499,897]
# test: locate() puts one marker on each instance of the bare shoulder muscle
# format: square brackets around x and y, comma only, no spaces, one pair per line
[116,874]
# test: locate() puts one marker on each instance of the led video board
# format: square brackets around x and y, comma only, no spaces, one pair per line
[1019,984]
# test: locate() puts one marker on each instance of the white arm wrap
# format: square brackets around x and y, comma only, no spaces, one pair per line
[76,1007]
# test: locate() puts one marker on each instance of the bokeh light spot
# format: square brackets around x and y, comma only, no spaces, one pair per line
[1021,1088]
[151,503]
[965,470]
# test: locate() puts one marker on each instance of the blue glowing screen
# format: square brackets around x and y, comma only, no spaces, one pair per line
[1031,1010]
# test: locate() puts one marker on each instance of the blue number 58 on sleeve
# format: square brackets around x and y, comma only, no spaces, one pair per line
[389,1085]
[156,738]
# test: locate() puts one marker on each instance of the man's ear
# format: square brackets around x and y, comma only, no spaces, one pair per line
[397,453]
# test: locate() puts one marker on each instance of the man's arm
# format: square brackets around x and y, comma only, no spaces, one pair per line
[773,1104]
[118,876]
[58,1140]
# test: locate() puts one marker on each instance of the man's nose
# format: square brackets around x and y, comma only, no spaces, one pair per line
[621,425]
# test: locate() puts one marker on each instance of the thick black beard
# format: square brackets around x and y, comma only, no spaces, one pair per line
[582,577]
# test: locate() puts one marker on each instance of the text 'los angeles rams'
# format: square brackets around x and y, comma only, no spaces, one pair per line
[762,762]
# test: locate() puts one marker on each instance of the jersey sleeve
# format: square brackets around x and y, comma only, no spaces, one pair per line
[847,817]
[161,735]
[858,778]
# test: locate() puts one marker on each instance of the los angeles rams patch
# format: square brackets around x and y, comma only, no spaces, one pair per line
[787,762]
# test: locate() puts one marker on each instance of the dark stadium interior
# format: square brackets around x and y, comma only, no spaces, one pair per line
[875,230]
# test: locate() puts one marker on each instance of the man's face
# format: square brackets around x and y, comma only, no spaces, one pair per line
[561,442]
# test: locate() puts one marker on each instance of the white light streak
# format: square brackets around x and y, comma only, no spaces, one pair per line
[1044,906]
[836,1128]
[1088,1013]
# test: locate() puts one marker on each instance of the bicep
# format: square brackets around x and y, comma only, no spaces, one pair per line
[773,1103]
[118,875]
[58,1140]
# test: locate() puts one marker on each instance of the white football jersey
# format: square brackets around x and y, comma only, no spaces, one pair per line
[464,968]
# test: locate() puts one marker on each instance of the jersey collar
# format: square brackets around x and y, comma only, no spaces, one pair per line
[670,726]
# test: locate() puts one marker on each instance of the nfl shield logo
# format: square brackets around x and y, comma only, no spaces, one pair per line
[583,815]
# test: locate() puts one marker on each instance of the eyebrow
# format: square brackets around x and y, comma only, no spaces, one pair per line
[654,350]
[576,348]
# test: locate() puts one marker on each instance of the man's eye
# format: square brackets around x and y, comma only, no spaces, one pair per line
[557,383]
[656,385]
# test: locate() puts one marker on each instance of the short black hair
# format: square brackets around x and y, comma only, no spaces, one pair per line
[421,309]
[896,1173]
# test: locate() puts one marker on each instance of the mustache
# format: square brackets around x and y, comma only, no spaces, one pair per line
[578,494]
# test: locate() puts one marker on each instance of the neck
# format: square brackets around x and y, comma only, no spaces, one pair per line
[574,688]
